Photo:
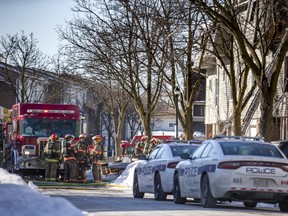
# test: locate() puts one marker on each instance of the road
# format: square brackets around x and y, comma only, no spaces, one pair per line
[119,201]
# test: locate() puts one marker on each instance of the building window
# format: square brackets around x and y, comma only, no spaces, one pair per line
[210,85]
[198,110]
[171,124]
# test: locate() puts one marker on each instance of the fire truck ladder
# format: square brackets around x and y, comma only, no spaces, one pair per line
[255,103]
[227,124]
[247,119]
[279,101]
[251,110]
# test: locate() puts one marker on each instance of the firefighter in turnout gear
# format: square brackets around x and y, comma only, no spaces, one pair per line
[96,157]
[69,158]
[140,146]
[153,143]
[52,153]
[81,150]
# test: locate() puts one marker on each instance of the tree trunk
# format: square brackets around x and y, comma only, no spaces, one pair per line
[146,122]
[266,109]
[237,120]
[189,123]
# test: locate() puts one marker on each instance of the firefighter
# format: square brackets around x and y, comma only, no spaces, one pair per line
[69,158]
[96,157]
[81,150]
[52,153]
[153,143]
[140,146]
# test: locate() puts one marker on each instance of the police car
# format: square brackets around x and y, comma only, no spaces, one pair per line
[232,168]
[154,174]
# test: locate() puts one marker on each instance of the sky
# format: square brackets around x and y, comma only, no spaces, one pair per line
[40,17]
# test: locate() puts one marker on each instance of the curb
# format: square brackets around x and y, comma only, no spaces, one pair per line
[76,186]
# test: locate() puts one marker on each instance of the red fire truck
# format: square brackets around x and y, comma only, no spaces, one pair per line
[32,124]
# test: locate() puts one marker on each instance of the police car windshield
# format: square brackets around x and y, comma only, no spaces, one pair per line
[249,148]
[179,149]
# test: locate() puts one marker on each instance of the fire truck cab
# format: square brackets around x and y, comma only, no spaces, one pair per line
[32,124]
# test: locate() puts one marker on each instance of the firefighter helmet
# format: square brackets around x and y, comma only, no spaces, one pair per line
[68,137]
[97,138]
[54,137]
[82,136]
[144,138]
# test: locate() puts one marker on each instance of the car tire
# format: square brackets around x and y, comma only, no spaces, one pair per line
[176,191]
[159,194]
[250,204]
[207,200]
[283,206]
[136,192]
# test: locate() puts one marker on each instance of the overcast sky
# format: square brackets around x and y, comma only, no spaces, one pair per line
[37,16]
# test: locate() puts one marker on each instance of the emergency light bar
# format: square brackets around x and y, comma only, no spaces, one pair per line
[50,111]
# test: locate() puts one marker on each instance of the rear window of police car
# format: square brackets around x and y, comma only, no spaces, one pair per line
[179,149]
[249,148]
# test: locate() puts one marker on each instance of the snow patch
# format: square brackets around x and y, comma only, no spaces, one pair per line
[126,177]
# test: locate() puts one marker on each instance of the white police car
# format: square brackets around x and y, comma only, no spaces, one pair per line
[154,174]
[231,168]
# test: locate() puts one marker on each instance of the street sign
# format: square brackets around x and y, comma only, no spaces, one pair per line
[5,114]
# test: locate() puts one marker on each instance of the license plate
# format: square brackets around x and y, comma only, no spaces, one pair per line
[260,183]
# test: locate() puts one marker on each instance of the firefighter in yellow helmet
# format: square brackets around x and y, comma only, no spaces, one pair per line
[153,143]
[96,157]
[52,153]
[81,150]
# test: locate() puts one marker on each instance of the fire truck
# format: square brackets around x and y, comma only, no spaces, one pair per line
[32,124]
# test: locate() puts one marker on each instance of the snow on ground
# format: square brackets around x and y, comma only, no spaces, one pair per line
[126,177]
[19,198]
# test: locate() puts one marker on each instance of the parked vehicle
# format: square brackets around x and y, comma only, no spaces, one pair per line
[154,174]
[232,168]
[283,146]
[32,124]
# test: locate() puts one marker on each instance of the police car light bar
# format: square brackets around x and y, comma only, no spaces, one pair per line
[238,137]
[50,111]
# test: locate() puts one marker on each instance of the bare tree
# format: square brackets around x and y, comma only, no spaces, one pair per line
[133,121]
[259,35]
[118,40]
[222,46]
[20,51]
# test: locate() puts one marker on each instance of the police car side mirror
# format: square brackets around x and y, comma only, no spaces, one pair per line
[184,156]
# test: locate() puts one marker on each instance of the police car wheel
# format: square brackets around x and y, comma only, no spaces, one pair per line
[136,192]
[176,192]
[283,206]
[250,204]
[159,194]
[207,200]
